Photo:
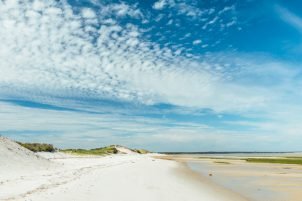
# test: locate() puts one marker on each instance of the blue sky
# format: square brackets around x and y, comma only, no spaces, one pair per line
[163,75]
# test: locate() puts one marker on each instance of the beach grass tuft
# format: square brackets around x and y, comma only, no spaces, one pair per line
[141,151]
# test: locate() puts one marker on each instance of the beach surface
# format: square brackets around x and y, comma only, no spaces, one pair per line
[255,181]
[127,177]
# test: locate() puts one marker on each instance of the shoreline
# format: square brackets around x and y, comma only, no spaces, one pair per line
[254,181]
[111,178]
[202,180]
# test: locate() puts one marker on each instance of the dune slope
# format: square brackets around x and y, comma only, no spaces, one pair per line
[15,158]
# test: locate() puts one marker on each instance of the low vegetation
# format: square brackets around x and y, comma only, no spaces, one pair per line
[41,147]
[97,151]
[38,147]
[294,157]
[289,160]
[222,162]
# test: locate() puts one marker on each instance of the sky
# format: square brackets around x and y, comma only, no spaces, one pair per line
[164,75]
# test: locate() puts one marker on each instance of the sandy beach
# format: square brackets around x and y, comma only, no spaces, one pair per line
[127,177]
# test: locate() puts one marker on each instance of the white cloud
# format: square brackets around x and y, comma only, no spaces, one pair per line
[227,9]
[54,55]
[159,5]
[290,18]
[121,10]
[49,55]
[189,10]
[59,53]
[196,42]
[88,13]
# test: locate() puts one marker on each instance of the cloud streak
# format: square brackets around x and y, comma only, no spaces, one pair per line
[290,18]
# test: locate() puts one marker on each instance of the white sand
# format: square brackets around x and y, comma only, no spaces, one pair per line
[122,177]
[14,158]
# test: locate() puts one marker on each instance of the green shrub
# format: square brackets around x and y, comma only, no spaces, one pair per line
[38,147]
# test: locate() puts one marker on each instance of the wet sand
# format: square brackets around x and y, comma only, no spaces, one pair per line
[255,181]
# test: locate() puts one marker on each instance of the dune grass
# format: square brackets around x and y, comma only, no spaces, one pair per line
[38,147]
[42,147]
[98,151]
[141,151]
[288,160]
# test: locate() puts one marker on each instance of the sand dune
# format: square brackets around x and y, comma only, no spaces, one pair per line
[125,150]
[15,157]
